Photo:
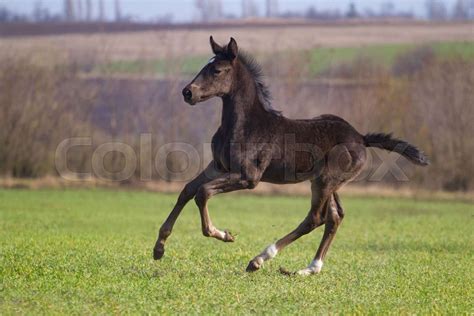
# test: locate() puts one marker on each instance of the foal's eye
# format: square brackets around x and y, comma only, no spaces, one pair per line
[216,71]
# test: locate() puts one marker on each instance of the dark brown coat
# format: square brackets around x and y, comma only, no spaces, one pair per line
[256,143]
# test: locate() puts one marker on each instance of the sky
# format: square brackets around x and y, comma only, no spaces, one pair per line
[184,10]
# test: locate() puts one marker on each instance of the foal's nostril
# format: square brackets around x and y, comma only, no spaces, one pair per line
[187,94]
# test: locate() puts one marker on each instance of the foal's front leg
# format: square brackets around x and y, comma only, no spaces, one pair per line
[222,184]
[185,196]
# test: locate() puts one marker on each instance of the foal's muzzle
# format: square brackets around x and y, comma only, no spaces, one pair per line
[187,94]
[192,94]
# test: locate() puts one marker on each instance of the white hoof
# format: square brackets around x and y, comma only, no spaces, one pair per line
[305,272]
[314,268]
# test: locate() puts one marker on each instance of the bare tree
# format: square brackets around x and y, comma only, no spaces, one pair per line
[272,8]
[461,10]
[101,11]
[215,8]
[40,13]
[69,14]
[80,12]
[436,10]
[201,6]
[210,10]
[387,9]
[352,11]
[118,11]
[88,10]
[249,8]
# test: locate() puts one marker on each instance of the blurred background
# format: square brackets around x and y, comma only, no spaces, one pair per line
[113,70]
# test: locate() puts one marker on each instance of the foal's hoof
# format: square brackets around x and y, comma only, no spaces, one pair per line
[285,271]
[253,266]
[228,237]
[158,252]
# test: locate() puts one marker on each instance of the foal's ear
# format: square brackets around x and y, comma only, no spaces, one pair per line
[232,49]
[216,48]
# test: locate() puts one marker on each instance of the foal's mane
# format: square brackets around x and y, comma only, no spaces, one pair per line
[255,70]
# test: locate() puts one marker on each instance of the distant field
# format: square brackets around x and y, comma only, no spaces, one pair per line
[386,55]
[166,44]
[320,58]
[64,252]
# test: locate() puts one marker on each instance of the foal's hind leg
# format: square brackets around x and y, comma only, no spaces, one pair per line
[315,218]
[334,217]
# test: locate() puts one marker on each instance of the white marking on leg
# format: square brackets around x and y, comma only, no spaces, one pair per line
[269,253]
[220,233]
[314,267]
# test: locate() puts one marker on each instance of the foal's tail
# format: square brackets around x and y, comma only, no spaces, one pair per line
[385,141]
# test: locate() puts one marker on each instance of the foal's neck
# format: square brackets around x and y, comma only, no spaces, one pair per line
[242,104]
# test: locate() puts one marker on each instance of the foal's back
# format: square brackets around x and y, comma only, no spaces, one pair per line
[325,131]
[303,147]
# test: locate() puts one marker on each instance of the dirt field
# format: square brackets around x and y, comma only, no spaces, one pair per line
[179,42]
[263,189]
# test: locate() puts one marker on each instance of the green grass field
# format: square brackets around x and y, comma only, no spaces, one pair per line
[384,54]
[90,252]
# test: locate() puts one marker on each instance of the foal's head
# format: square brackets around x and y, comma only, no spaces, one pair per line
[215,79]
